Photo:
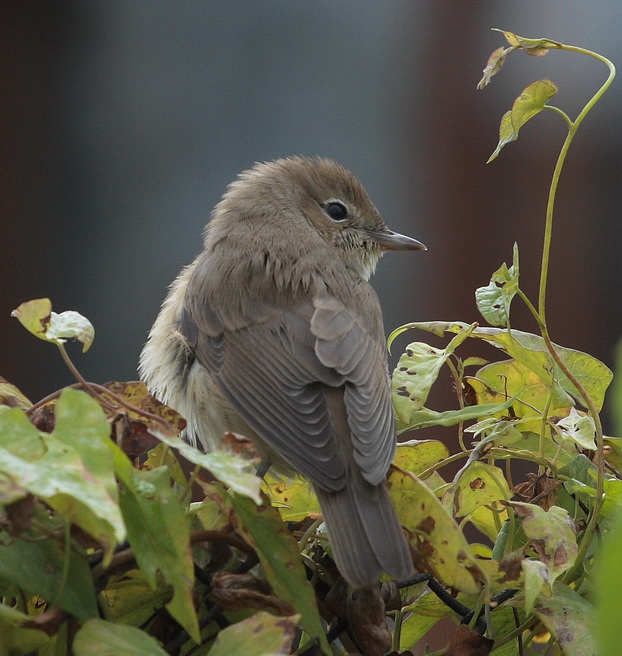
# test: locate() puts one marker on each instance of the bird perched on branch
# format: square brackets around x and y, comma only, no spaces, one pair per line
[274,332]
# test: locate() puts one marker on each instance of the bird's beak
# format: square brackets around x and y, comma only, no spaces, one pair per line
[393,241]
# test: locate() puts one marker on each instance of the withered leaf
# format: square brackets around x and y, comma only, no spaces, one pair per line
[465,642]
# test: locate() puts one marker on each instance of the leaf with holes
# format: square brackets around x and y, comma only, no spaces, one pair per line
[552,535]
[494,300]
[37,317]
[531,350]
[479,484]
[440,547]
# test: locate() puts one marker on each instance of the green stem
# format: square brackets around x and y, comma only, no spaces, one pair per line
[548,231]
[81,379]
[396,638]
[512,519]
[530,307]
[501,453]
[459,386]
[562,113]
[441,463]
[188,489]
[548,226]
[476,610]
[518,631]
[572,129]
[308,534]
[543,424]
[66,561]
[600,463]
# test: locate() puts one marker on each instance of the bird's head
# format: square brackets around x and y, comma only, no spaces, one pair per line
[318,194]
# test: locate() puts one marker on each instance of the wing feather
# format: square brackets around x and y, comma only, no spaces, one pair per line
[277,374]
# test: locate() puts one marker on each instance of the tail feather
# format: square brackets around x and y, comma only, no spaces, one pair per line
[366,536]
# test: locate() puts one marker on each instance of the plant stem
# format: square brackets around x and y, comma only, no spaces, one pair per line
[66,562]
[543,424]
[459,387]
[441,463]
[573,126]
[572,129]
[188,489]
[71,366]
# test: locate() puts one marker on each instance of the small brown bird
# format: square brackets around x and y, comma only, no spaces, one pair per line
[274,332]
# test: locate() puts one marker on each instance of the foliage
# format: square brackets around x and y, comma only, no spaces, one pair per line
[103,550]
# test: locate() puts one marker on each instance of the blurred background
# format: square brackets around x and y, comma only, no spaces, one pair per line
[123,122]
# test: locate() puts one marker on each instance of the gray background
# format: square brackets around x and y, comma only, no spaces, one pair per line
[122,123]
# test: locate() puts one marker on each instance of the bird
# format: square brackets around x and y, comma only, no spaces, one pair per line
[275,333]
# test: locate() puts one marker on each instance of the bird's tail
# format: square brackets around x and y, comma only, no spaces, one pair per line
[366,536]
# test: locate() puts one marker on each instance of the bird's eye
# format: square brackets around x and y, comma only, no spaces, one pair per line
[336,211]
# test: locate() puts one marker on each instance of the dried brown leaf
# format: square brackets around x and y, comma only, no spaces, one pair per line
[465,642]
[367,621]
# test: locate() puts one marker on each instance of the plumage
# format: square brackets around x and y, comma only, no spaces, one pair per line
[275,333]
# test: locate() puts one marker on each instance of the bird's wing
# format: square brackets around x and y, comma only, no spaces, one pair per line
[311,381]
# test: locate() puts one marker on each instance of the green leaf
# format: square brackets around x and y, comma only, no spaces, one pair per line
[496,431]
[229,469]
[159,534]
[613,450]
[552,535]
[418,455]
[10,492]
[499,380]
[616,393]
[260,635]
[504,622]
[424,418]
[414,628]
[478,484]
[474,361]
[295,498]
[19,635]
[554,454]
[429,605]
[71,468]
[101,638]
[129,599]
[483,519]
[579,468]
[12,397]
[532,101]
[416,372]
[439,546]
[279,555]
[533,47]
[612,488]
[494,300]
[531,350]
[19,436]
[536,581]
[570,620]
[606,587]
[37,568]
[37,317]
[579,428]
[80,424]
